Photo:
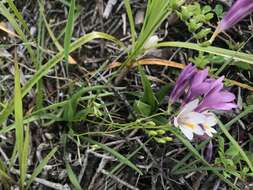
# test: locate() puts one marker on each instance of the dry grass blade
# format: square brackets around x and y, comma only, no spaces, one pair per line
[173,64]
[4,28]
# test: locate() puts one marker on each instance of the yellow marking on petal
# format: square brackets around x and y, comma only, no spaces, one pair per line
[190,125]
[205,125]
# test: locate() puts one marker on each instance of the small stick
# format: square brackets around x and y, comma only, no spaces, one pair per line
[118,180]
[108,8]
[47,183]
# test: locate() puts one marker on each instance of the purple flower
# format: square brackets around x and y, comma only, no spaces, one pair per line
[201,95]
[239,10]
[182,82]
[196,84]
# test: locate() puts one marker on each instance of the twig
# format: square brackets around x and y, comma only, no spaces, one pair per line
[119,180]
[108,8]
[47,183]
[99,169]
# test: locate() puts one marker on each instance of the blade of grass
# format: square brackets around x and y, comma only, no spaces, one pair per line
[238,147]
[72,177]
[39,58]
[5,12]
[56,43]
[19,121]
[18,15]
[120,157]
[24,160]
[52,62]
[41,166]
[244,57]
[69,29]
[131,21]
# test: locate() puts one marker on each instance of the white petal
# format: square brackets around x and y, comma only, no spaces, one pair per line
[210,119]
[212,130]
[189,107]
[209,133]
[198,130]
[187,132]
[195,117]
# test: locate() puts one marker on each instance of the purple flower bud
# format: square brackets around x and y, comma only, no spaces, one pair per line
[209,152]
[239,10]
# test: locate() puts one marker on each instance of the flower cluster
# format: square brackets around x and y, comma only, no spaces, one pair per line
[201,95]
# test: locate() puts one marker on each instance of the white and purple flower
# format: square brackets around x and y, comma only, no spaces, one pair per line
[201,96]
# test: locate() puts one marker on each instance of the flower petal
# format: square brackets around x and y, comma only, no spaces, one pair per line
[189,107]
[187,132]
[198,130]
[237,12]
[195,117]
[210,119]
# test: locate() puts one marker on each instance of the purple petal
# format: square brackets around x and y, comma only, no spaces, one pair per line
[239,10]
[227,96]
[199,77]
[198,86]
[182,82]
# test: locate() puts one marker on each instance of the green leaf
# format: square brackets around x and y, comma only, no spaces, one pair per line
[72,177]
[164,91]
[18,15]
[142,108]
[131,21]
[18,106]
[69,29]
[235,55]
[41,166]
[148,97]
[9,16]
[117,155]
[24,159]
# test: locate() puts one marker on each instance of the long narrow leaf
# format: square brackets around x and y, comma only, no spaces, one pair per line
[18,15]
[5,12]
[244,57]
[24,159]
[72,177]
[41,166]
[69,29]
[131,21]
[19,121]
